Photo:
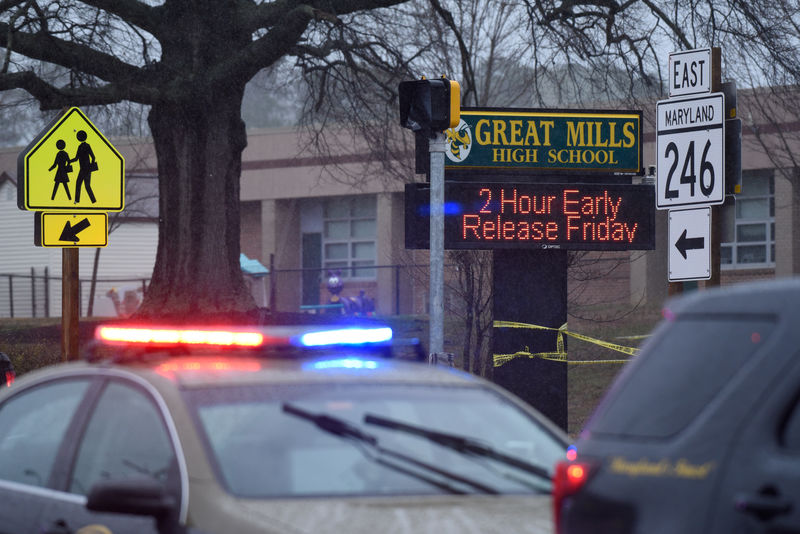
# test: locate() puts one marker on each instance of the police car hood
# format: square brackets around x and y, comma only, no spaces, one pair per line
[530,514]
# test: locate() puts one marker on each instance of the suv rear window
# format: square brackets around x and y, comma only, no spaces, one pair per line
[686,367]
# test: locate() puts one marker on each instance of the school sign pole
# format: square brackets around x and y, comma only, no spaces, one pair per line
[55,173]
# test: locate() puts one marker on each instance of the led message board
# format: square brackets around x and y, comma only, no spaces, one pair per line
[536,215]
[570,141]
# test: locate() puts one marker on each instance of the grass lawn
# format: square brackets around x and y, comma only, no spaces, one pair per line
[589,374]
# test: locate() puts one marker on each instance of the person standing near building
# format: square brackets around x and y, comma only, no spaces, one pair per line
[88,164]
[63,168]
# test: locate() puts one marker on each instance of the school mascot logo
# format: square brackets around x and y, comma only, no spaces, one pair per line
[459,142]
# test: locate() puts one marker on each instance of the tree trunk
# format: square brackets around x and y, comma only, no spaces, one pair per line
[199,144]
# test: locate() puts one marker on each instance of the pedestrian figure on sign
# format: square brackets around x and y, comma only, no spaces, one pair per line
[88,164]
[63,168]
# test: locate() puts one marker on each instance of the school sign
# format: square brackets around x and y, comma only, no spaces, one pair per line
[70,175]
[71,166]
[564,141]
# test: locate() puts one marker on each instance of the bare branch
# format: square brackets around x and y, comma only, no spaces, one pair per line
[51,97]
[45,47]
[133,12]
[267,50]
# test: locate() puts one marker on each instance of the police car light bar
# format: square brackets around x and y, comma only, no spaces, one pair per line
[346,336]
[171,336]
[257,337]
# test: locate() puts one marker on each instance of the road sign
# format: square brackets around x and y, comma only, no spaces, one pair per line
[689,244]
[71,166]
[690,146]
[69,230]
[690,72]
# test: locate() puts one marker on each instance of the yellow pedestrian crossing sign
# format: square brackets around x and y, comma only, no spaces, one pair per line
[71,166]
[70,230]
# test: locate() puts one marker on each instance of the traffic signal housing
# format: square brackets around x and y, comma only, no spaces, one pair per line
[733,141]
[430,106]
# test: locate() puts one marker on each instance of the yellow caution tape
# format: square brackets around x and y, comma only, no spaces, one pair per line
[640,336]
[500,359]
[560,353]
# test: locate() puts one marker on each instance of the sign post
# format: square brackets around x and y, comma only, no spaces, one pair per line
[70,303]
[436,290]
[70,175]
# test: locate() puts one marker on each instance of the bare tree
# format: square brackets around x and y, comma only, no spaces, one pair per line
[472,284]
[571,54]
[189,62]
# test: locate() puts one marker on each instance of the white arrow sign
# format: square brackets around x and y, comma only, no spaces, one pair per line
[689,244]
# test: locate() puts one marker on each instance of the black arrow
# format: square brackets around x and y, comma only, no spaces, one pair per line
[70,233]
[689,243]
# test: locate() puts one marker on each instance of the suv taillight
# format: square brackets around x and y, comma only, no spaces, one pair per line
[569,478]
[10,376]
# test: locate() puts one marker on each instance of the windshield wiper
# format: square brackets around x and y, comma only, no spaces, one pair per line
[340,427]
[462,444]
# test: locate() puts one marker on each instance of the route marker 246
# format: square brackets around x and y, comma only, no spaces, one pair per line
[690,145]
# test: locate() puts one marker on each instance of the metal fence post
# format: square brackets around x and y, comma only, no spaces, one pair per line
[11,294]
[272,282]
[33,292]
[46,292]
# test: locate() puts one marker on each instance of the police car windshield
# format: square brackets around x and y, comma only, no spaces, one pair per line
[261,451]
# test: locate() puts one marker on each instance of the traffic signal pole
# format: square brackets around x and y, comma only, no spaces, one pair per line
[429,107]
[436,147]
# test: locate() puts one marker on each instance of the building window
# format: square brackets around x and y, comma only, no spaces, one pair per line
[749,224]
[348,236]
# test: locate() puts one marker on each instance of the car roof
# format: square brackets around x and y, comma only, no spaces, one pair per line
[728,339]
[232,369]
[778,297]
[223,368]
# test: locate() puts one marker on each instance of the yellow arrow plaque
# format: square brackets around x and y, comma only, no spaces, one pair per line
[70,230]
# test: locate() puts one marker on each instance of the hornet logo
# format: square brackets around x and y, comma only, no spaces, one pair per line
[459,142]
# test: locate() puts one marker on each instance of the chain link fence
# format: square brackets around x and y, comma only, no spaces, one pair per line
[38,294]
[399,289]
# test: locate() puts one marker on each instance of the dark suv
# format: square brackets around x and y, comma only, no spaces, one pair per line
[701,432]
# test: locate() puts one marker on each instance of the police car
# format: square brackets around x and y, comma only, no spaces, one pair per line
[268,430]
[701,432]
